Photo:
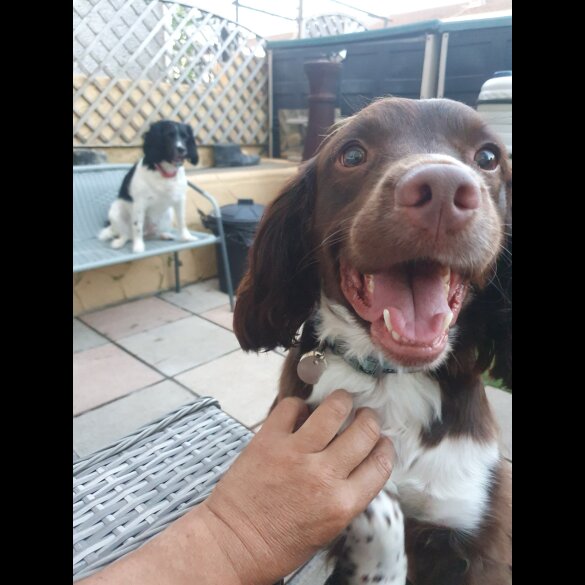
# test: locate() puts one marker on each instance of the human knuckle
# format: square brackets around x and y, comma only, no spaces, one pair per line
[369,426]
[339,406]
[342,508]
[383,464]
[323,476]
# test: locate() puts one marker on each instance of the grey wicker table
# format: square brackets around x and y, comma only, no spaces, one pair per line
[127,493]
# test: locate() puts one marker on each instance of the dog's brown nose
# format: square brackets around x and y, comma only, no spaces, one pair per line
[438,197]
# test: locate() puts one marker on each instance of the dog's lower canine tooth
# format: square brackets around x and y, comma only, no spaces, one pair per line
[448,319]
[387,321]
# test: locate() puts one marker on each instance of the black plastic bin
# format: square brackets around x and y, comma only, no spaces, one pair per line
[240,222]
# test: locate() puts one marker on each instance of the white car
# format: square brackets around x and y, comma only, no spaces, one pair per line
[495,105]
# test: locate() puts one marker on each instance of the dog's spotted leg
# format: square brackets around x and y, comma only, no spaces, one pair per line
[179,208]
[165,225]
[137,228]
[373,549]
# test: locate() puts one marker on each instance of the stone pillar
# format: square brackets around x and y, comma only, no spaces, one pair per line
[323,76]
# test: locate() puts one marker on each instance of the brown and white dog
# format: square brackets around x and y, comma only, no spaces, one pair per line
[392,250]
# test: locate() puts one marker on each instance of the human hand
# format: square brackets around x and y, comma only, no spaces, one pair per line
[290,493]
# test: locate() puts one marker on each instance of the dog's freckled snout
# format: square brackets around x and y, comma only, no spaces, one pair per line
[438,197]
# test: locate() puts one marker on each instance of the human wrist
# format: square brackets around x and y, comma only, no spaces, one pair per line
[238,554]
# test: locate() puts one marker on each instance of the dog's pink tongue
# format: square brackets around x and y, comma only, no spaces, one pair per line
[416,297]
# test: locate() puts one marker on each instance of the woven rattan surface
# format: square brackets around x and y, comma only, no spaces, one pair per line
[128,492]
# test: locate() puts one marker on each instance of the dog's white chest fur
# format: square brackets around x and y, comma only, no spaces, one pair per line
[158,192]
[446,484]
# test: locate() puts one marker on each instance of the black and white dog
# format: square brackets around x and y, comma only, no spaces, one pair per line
[154,187]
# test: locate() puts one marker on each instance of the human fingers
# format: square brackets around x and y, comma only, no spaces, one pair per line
[285,415]
[324,423]
[370,476]
[354,444]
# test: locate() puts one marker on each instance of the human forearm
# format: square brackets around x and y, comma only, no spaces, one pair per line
[195,550]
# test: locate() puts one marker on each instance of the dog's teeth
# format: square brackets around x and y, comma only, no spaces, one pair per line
[447,275]
[388,324]
[387,321]
[369,278]
[448,319]
[447,280]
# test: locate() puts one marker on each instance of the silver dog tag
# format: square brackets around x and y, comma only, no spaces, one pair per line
[311,367]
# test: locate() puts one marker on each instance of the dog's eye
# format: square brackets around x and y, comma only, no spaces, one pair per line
[487,158]
[353,156]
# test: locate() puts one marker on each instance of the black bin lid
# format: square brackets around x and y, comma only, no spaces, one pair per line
[245,211]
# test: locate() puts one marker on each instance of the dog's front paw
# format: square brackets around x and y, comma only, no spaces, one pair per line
[373,551]
[186,236]
[166,236]
[138,247]
[118,242]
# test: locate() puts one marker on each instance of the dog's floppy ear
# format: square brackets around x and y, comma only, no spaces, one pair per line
[153,152]
[191,147]
[281,286]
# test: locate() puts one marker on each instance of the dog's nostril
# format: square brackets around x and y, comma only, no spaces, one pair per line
[466,197]
[181,149]
[425,194]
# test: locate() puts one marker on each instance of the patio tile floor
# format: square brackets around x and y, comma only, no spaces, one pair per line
[198,297]
[244,383]
[102,426]
[220,316]
[133,317]
[104,373]
[138,361]
[85,338]
[175,347]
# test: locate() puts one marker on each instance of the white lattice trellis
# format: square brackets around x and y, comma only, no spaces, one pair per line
[332,24]
[138,61]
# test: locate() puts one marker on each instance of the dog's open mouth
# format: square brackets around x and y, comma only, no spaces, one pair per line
[410,306]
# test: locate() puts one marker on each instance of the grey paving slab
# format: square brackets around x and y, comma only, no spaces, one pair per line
[85,338]
[134,317]
[199,297]
[501,403]
[179,346]
[100,427]
[222,316]
[245,384]
[104,373]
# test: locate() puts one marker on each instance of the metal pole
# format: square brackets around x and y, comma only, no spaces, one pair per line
[270,108]
[300,19]
[222,240]
[177,276]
